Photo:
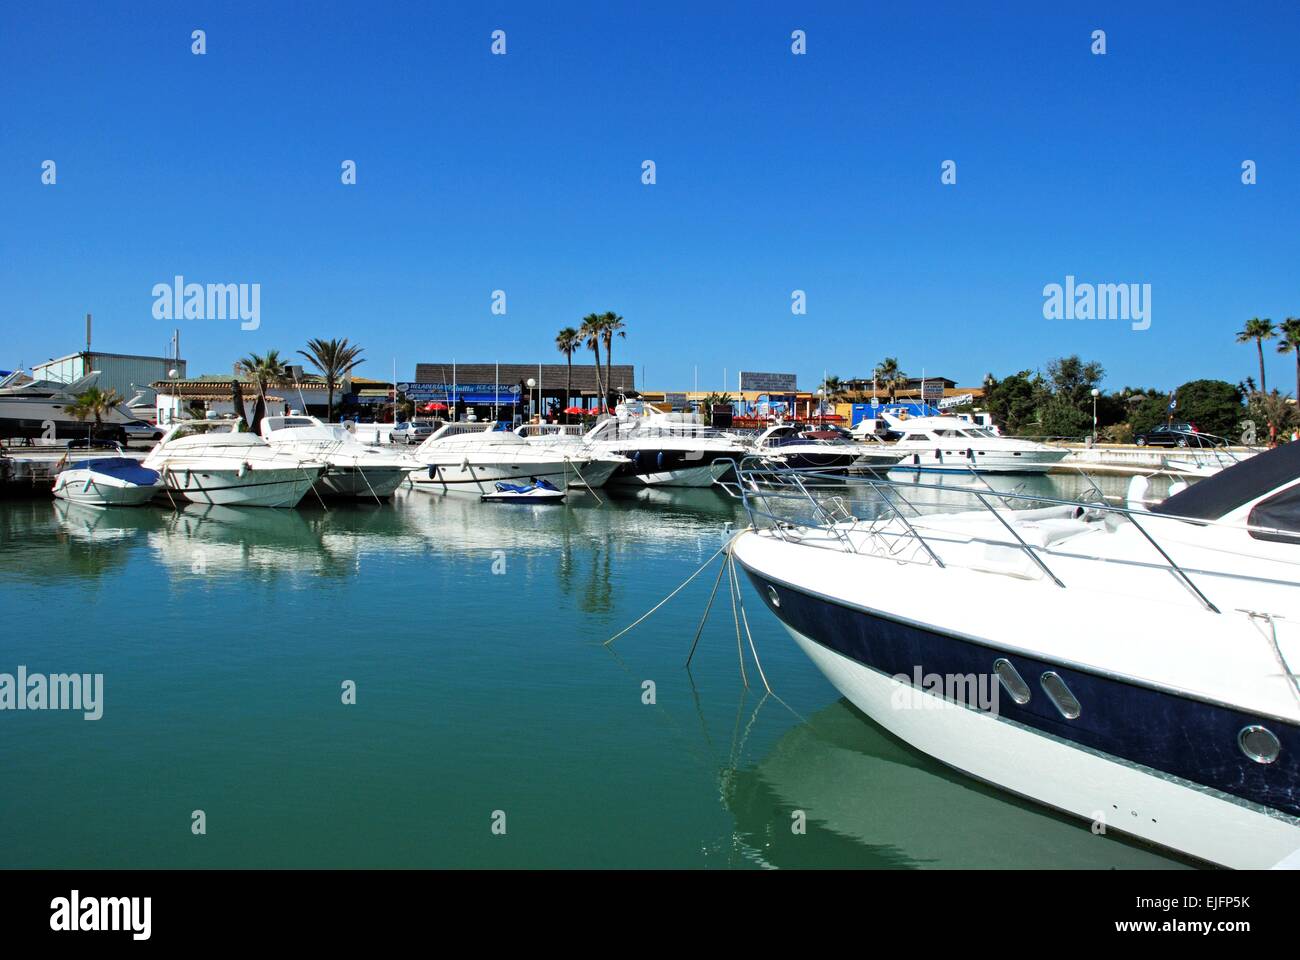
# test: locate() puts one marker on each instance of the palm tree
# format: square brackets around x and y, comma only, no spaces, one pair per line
[94,403]
[887,370]
[611,325]
[567,341]
[1259,331]
[1290,343]
[590,332]
[264,370]
[334,359]
[834,388]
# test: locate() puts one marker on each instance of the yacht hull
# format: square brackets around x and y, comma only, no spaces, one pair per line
[478,479]
[258,487]
[956,461]
[1142,761]
[703,475]
[361,483]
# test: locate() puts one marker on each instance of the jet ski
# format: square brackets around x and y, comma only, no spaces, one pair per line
[538,491]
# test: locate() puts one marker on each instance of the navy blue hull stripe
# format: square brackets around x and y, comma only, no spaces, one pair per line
[1192,739]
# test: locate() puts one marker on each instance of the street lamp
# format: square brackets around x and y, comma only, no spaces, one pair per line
[531,383]
[1095,394]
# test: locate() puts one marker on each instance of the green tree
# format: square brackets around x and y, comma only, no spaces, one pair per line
[1290,343]
[1215,406]
[611,326]
[710,400]
[590,331]
[94,404]
[1014,400]
[264,369]
[1259,331]
[335,359]
[567,341]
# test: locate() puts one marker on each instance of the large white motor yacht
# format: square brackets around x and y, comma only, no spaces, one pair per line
[664,449]
[355,469]
[217,461]
[952,445]
[38,408]
[1136,669]
[473,457]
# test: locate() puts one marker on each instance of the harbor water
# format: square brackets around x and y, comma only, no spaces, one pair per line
[491,726]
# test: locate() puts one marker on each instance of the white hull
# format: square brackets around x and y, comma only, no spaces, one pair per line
[704,476]
[992,462]
[258,487]
[83,486]
[478,479]
[1126,797]
[361,482]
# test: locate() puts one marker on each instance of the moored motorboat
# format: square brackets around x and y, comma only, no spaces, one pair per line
[952,445]
[217,462]
[107,481]
[473,457]
[663,449]
[1172,714]
[823,449]
[354,469]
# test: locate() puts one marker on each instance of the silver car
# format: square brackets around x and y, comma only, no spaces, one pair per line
[410,432]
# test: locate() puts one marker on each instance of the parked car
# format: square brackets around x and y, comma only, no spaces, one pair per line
[410,432]
[142,430]
[1178,434]
[94,443]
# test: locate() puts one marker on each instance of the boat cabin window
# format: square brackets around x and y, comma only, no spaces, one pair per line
[917,436]
[1279,514]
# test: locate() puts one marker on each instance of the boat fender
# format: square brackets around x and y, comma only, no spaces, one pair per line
[916,459]
[659,460]
[433,470]
[243,470]
[970,454]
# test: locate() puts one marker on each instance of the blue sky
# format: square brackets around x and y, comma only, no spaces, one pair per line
[775,173]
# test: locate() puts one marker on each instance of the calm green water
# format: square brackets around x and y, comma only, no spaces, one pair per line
[224,636]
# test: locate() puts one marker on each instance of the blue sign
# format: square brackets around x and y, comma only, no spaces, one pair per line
[443,391]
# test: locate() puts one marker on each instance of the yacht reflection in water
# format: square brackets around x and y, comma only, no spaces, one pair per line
[871,801]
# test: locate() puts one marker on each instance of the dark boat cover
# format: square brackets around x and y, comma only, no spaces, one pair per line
[1216,496]
[123,468]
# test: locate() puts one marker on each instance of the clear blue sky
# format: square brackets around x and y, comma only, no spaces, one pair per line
[775,172]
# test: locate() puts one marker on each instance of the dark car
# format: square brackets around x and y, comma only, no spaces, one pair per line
[1178,434]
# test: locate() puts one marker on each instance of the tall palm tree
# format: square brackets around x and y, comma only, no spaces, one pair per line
[335,359]
[611,325]
[567,341]
[889,373]
[94,403]
[1259,331]
[264,369]
[590,332]
[1290,343]
[834,388]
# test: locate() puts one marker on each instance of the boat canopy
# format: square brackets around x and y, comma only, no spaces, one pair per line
[120,468]
[1215,497]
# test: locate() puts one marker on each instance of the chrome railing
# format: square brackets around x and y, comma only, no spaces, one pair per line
[857,513]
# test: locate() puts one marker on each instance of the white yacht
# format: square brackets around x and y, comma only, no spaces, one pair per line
[664,449]
[355,469]
[38,408]
[952,445]
[215,461]
[568,437]
[473,457]
[1136,669]
[824,449]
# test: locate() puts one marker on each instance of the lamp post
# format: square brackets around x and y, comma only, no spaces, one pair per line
[531,383]
[1095,394]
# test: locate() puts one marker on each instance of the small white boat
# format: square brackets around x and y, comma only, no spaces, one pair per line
[107,482]
[539,491]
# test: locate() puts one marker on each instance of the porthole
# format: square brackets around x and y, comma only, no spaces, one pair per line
[1259,743]
[1012,682]
[771,595]
[1060,695]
